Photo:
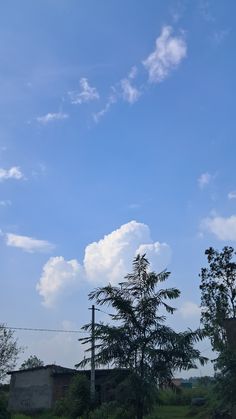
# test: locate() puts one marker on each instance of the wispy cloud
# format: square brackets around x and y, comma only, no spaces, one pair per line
[28,244]
[219,36]
[5,203]
[224,228]
[232,195]
[189,309]
[112,99]
[168,54]
[130,93]
[12,173]
[204,180]
[50,117]
[86,94]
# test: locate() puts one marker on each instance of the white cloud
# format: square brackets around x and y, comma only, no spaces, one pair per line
[170,51]
[189,309]
[50,117]
[86,94]
[133,73]
[112,99]
[204,180]
[222,228]
[58,277]
[28,244]
[12,173]
[158,254]
[107,260]
[110,259]
[232,195]
[129,93]
[5,203]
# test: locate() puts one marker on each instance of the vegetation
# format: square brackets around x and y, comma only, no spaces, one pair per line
[9,351]
[140,341]
[77,400]
[32,362]
[218,294]
[218,301]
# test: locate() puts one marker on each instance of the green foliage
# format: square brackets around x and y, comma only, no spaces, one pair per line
[181,397]
[169,412]
[77,400]
[139,340]
[111,411]
[3,406]
[218,299]
[9,351]
[32,362]
[218,294]
[225,386]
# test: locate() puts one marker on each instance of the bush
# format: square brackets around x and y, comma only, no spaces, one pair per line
[110,411]
[181,397]
[77,400]
[4,414]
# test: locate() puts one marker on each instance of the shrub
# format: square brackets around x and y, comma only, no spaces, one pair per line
[4,414]
[77,400]
[111,411]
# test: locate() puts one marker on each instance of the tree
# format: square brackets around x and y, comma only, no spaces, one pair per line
[32,362]
[218,301]
[77,400]
[218,294]
[9,351]
[139,340]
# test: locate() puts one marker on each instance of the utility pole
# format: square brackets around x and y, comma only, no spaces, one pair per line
[92,376]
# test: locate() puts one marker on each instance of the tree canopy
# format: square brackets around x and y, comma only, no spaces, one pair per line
[137,337]
[218,301]
[218,294]
[9,351]
[32,362]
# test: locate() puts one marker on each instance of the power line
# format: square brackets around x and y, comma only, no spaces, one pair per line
[43,330]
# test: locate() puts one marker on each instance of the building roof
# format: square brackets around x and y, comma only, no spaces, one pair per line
[56,369]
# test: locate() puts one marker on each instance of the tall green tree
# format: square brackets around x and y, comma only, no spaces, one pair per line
[218,294]
[32,362]
[137,337]
[9,351]
[218,301]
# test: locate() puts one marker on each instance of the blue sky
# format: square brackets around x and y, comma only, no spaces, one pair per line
[117,135]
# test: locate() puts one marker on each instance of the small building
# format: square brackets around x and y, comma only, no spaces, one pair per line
[39,388]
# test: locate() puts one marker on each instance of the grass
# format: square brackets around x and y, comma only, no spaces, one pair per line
[178,412]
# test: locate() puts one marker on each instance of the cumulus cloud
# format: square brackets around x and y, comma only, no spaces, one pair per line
[224,228]
[232,195]
[59,276]
[106,260]
[12,173]
[109,259]
[204,180]
[158,254]
[86,94]
[28,244]
[168,54]
[189,309]
[50,117]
